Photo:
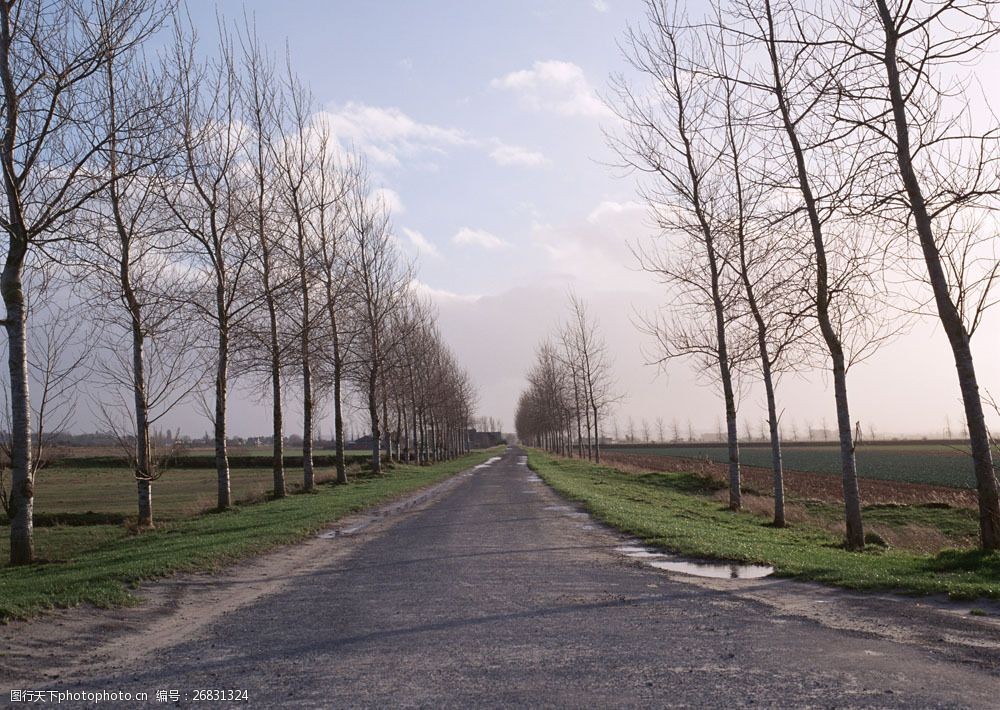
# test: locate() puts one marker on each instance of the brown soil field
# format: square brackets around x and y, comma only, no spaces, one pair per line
[804,485]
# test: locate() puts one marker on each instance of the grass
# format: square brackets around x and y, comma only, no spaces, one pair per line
[934,464]
[677,511]
[179,493]
[98,563]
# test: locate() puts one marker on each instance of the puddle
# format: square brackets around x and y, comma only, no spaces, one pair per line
[522,460]
[714,569]
[331,534]
[488,462]
[559,508]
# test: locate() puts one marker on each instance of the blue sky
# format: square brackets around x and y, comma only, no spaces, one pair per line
[480,116]
[484,122]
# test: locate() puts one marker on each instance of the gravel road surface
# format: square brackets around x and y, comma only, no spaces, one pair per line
[495,592]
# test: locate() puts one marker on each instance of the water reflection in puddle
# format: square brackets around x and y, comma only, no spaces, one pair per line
[716,570]
[488,462]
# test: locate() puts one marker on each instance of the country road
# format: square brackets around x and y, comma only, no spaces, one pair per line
[494,592]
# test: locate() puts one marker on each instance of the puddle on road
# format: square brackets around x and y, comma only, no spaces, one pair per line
[716,570]
[522,460]
[488,462]
[331,534]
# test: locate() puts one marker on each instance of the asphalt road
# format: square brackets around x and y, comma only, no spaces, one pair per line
[497,594]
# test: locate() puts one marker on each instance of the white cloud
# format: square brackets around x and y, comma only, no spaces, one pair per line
[600,5]
[595,252]
[514,155]
[559,87]
[479,238]
[391,199]
[406,64]
[609,209]
[421,243]
[439,295]
[387,135]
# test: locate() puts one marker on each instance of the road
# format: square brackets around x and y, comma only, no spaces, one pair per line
[495,593]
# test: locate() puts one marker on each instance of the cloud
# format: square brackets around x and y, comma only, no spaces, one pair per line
[406,64]
[600,6]
[439,295]
[595,252]
[609,210]
[479,238]
[391,199]
[512,155]
[555,86]
[387,135]
[421,243]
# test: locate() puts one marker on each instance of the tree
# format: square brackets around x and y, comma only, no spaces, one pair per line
[261,99]
[296,165]
[669,134]
[331,187]
[204,195]
[796,84]
[591,354]
[945,177]
[51,57]
[379,283]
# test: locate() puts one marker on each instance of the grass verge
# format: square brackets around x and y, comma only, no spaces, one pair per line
[98,563]
[676,511]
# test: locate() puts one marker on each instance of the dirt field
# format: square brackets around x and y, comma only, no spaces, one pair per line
[805,485]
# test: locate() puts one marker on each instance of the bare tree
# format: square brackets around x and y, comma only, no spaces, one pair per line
[331,186]
[796,84]
[51,56]
[594,368]
[945,179]
[297,165]
[261,98]
[204,196]
[669,135]
[379,282]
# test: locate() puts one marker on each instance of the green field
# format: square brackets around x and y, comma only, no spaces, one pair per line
[935,464]
[677,512]
[97,563]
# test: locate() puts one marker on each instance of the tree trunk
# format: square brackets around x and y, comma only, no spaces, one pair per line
[308,475]
[376,431]
[338,376]
[143,464]
[22,549]
[277,423]
[772,422]
[597,436]
[951,319]
[221,391]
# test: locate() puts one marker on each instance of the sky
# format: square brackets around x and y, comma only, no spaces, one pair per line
[484,123]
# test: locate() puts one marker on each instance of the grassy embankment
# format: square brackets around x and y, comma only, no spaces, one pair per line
[677,511]
[96,563]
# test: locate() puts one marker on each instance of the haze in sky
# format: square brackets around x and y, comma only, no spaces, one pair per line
[485,125]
